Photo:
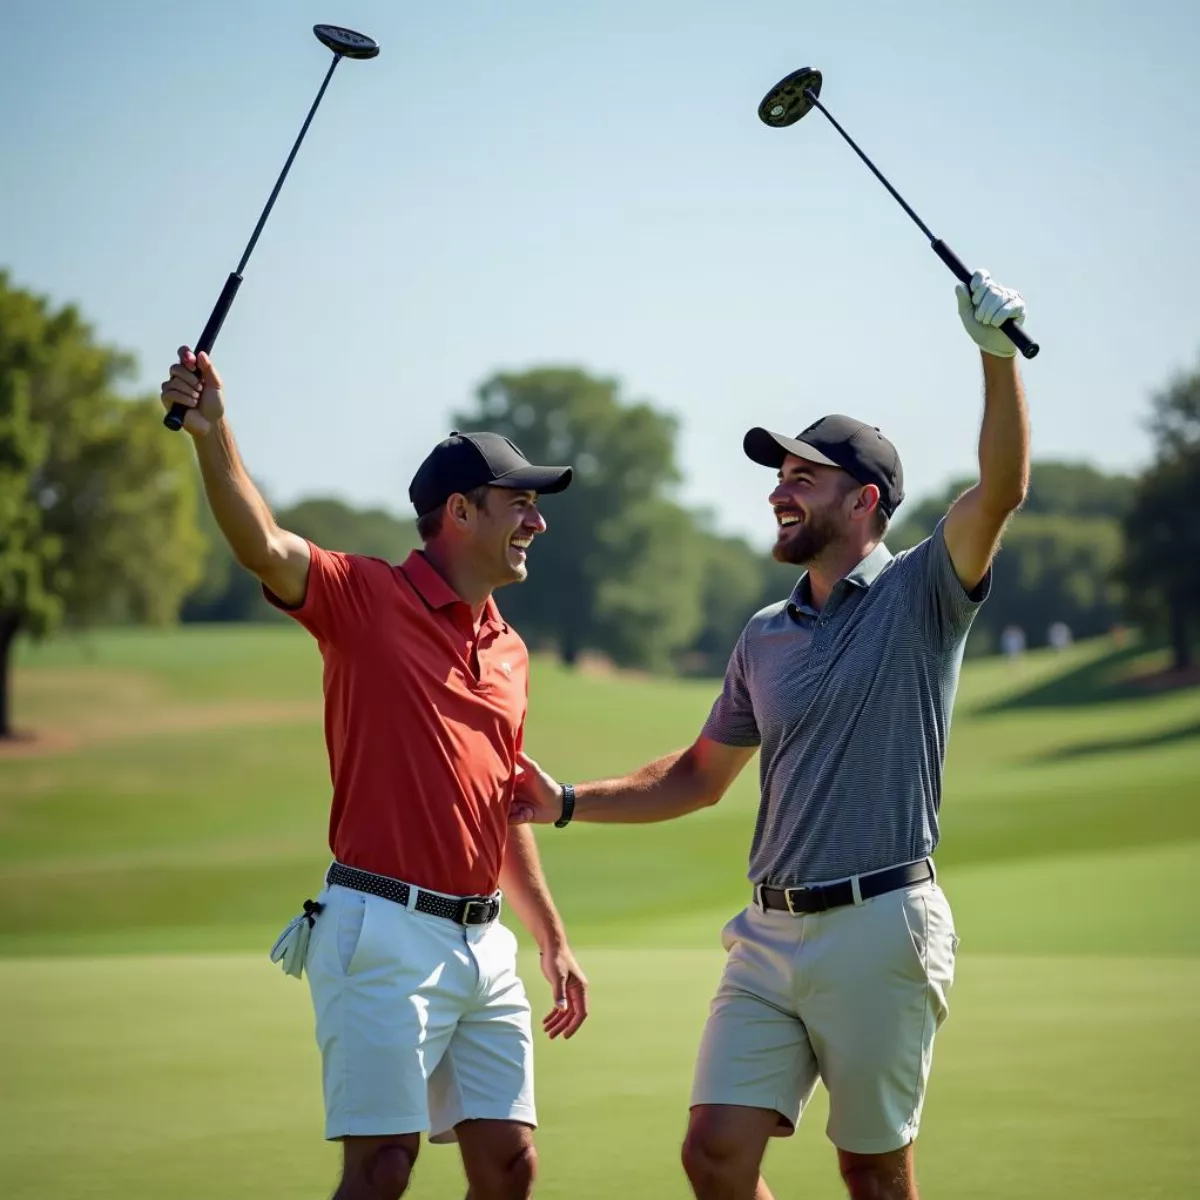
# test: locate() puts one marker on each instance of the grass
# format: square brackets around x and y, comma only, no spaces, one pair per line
[196,1076]
[174,816]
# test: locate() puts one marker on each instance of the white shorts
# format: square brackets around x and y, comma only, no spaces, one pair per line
[422,1023]
[852,997]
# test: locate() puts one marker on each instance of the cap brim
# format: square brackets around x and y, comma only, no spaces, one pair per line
[770,449]
[543,480]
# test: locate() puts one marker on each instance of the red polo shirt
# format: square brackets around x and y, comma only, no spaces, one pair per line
[424,716]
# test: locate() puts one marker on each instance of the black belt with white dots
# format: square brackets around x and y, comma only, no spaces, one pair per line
[463,910]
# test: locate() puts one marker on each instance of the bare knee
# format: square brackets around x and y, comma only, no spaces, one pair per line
[380,1172]
[518,1175]
[706,1152]
[879,1176]
[509,1179]
[716,1152]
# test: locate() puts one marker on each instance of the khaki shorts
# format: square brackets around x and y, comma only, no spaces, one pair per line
[852,997]
[422,1023]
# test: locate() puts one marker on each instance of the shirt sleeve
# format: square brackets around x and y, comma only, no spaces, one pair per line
[945,606]
[731,720]
[338,598]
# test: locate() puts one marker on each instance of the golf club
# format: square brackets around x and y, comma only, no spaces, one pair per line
[791,98]
[344,43]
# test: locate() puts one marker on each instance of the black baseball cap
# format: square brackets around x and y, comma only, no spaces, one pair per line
[857,448]
[464,461]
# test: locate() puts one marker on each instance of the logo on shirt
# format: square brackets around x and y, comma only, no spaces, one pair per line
[506,667]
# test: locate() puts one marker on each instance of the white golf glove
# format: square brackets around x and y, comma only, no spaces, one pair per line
[987,308]
[291,947]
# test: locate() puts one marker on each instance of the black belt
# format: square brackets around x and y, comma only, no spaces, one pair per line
[803,900]
[464,910]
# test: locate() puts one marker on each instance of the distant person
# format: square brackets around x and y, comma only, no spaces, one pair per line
[422,1021]
[1059,635]
[1012,642]
[839,970]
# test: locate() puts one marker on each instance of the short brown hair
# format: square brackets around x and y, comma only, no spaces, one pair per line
[430,525]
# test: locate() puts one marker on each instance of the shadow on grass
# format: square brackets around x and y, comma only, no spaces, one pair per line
[1103,680]
[1118,745]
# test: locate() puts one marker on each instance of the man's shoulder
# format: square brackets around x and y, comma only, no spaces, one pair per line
[371,577]
[912,559]
[766,618]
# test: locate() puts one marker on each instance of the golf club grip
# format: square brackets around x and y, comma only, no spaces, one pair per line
[174,419]
[1015,334]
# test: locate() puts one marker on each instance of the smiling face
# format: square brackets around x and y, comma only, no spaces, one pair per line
[814,507]
[505,524]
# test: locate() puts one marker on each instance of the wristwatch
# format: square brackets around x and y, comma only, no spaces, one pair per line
[568,807]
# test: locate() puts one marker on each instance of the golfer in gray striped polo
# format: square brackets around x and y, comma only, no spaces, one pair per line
[839,968]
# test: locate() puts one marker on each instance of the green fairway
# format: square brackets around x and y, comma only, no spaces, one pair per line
[173,817]
[196,1077]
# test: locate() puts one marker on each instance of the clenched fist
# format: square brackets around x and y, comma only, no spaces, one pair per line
[195,384]
[985,309]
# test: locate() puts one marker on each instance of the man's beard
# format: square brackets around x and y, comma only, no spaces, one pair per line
[807,541]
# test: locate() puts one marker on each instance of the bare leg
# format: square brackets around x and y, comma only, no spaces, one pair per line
[724,1149]
[499,1159]
[879,1176]
[377,1168]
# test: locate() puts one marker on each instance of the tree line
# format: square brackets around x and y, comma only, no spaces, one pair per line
[101,519]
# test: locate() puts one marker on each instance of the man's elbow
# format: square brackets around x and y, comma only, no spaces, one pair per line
[262,554]
[1002,497]
[705,790]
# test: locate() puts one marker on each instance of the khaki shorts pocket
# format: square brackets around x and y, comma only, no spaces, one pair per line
[931,946]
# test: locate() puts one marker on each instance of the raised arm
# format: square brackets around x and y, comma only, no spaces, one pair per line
[280,559]
[977,518]
[669,787]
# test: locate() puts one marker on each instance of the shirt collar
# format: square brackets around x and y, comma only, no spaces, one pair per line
[863,575]
[871,567]
[437,593]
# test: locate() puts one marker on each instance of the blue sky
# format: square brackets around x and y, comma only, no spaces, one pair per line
[512,184]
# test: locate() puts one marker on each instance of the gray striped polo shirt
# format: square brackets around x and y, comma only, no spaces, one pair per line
[850,707]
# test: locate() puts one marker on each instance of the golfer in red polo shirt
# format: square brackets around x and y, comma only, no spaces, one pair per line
[422,1021]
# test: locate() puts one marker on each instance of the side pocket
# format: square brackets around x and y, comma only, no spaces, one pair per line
[352,918]
[931,945]
[731,932]
[942,953]
[914,910]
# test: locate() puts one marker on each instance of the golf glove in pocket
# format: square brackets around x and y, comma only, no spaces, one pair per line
[291,947]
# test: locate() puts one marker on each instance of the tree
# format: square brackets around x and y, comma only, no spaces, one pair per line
[339,526]
[621,572]
[97,505]
[1056,488]
[737,581]
[1058,556]
[1161,562]
[228,592]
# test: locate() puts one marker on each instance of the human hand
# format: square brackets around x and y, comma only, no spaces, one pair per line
[537,797]
[195,384]
[570,988]
[985,309]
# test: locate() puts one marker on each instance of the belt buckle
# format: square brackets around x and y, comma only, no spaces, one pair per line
[818,894]
[470,905]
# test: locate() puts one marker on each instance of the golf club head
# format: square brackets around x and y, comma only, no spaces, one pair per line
[786,102]
[346,42]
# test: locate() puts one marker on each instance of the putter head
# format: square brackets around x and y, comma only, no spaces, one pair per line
[346,42]
[787,102]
